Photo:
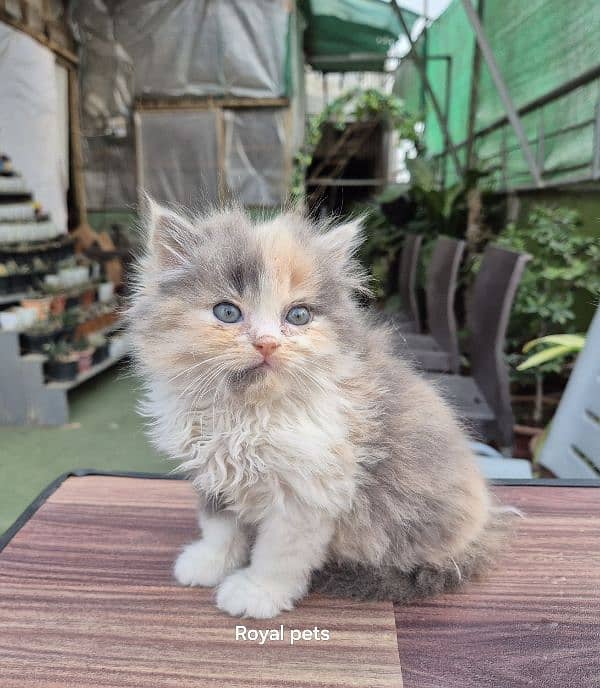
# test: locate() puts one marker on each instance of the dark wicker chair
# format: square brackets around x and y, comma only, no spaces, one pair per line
[438,351]
[483,400]
[408,319]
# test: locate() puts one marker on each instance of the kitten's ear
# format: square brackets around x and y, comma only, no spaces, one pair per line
[342,241]
[169,236]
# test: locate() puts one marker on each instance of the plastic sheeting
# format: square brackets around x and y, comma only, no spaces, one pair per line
[33,111]
[110,177]
[178,156]
[205,47]
[180,159]
[178,48]
[106,69]
[255,168]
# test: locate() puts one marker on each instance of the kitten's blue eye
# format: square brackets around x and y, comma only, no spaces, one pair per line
[298,315]
[227,312]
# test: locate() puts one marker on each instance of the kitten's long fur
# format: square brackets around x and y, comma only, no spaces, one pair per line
[338,465]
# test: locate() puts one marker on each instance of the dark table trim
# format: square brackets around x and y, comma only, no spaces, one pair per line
[30,510]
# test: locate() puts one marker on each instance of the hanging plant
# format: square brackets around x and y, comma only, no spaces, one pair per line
[356,105]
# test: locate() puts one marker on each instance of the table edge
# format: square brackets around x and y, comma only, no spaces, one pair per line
[41,498]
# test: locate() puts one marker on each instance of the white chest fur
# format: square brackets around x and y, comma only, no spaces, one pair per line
[255,458]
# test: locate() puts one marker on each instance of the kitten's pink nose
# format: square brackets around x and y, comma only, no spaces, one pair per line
[266,345]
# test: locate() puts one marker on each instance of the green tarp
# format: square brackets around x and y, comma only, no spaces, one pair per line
[350,35]
[539,46]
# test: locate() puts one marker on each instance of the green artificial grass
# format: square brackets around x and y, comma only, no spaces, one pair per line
[104,433]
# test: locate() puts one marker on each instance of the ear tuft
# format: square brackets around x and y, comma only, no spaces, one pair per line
[169,235]
[342,241]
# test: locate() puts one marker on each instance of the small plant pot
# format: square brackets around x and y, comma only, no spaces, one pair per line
[40,305]
[35,343]
[58,305]
[61,370]
[524,440]
[87,298]
[106,291]
[100,353]
[20,282]
[72,302]
[85,360]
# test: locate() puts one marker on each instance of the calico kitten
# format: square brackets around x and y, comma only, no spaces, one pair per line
[320,458]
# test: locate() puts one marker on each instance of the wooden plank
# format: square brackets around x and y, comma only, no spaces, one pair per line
[87,599]
[77,162]
[146,103]
[62,51]
[535,621]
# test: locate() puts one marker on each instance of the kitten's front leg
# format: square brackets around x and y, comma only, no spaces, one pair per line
[289,546]
[222,549]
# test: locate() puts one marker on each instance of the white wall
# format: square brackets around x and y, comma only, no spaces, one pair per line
[34,119]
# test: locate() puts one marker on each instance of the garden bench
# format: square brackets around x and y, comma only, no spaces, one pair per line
[87,598]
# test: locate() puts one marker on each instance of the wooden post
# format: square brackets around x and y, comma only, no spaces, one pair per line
[77,167]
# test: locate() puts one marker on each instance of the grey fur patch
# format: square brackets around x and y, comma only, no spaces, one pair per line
[361,581]
[245,275]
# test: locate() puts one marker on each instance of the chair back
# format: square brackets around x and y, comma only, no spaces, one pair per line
[572,447]
[407,277]
[487,319]
[442,275]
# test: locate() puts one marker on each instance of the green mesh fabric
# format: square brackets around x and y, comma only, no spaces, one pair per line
[346,27]
[539,46]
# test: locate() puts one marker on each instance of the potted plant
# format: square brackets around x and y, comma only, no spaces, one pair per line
[58,297]
[35,338]
[4,279]
[41,305]
[87,297]
[72,299]
[70,318]
[21,278]
[106,291]
[62,363]
[101,348]
[84,352]
[562,261]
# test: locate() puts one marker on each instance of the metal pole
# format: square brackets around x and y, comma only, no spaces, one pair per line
[447,101]
[473,97]
[434,101]
[596,158]
[511,112]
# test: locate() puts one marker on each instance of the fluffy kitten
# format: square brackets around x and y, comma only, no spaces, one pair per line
[319,457]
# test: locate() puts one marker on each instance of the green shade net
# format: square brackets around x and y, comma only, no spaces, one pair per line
[539,46]
[358,32]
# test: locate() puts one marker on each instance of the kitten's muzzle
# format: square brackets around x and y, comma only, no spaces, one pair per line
[266,346]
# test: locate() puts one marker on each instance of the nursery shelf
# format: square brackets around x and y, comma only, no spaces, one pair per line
[88,374]
[6,299]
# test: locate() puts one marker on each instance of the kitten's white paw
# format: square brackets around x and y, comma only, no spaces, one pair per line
[202,564]
[239,595]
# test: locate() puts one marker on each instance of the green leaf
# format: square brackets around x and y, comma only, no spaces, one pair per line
[545,356]
[574,341]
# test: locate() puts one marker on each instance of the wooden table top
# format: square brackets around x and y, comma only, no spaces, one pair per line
[87,599]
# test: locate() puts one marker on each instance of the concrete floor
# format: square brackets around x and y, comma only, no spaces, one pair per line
[104,433]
